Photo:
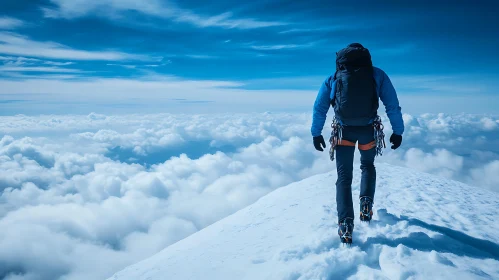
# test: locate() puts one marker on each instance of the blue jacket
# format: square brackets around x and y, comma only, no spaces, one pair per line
[385,90]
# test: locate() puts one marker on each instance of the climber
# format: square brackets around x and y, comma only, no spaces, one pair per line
[354,92]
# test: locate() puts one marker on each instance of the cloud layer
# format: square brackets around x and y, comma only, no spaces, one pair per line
[83,191]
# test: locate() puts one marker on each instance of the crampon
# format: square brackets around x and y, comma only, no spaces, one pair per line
[345,231]
[366,209]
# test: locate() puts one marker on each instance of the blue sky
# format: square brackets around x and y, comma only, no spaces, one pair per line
[180,53]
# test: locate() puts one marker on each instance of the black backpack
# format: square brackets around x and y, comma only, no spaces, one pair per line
[356,101]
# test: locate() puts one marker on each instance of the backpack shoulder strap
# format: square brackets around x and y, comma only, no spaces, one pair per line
[337,79]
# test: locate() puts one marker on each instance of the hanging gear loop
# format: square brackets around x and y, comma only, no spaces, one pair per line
[379,136]
[336,137]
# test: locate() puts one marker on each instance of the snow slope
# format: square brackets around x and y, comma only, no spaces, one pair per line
[424,227]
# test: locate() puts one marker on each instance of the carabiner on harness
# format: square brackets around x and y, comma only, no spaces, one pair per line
[336,137]
[379,136]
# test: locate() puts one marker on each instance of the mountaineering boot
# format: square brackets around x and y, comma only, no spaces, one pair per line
[345,230]
[366,209]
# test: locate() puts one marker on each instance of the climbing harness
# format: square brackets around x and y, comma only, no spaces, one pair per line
[336,138]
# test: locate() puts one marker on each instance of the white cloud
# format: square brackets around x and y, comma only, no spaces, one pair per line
[10,60]
[24,64]
[347,24]
[45,76]
[201,56]
[10,23]
[148,85]
[275,47]
[161,9]
[15,62]
[56,63]
[486,176]
[281,47]
[61,184]
[489,124]
[39,69]
[15,44]
[441,162]
[454,146]
[225,20]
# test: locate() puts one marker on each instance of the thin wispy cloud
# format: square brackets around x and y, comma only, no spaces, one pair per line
[201,56]
[275,47]
[13,67]
[10,23]
[41,76]
[225,20]
[152,86]
[161,9]
[345,23]
[281,47]
[143,67]
[128,66]
[20,61]
[39,69]
[55,63]
[16,44]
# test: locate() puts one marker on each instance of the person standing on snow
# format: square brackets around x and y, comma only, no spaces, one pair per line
[354,92]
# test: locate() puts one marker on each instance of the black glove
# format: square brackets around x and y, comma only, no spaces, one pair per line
[396,140]
[318,141]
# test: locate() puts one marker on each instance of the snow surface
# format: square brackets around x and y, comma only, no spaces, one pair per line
[424,227]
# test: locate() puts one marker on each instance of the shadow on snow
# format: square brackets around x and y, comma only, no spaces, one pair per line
[449,240]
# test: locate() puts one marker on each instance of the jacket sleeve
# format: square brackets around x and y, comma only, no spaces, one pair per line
[321,107]
[390,100]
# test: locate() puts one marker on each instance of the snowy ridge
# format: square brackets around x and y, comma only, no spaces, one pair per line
[423,227]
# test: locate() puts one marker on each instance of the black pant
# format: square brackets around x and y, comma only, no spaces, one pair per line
[344,167]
